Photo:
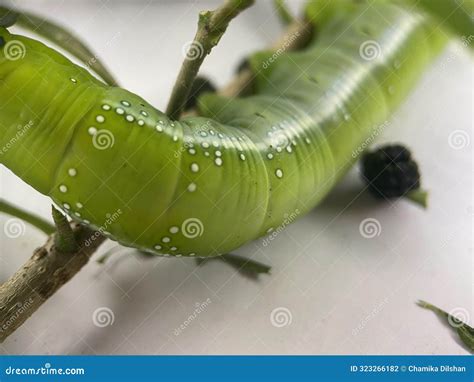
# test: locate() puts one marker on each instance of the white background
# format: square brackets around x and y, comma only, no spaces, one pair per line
[345,294]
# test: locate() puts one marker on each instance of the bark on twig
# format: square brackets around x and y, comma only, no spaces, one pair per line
[41,276]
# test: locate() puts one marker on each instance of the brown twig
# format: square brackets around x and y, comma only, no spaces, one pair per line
[41,276]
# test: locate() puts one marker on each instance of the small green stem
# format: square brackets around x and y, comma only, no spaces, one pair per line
[283,12]
[419,197]
[34,220]
[211,27]
[64,238]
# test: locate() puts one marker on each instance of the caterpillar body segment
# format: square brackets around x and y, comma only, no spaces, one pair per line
[203,186]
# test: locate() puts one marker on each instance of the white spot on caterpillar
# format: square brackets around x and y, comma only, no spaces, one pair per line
[194,167]
[72,172]
[173,248]
[77,214]
[63,188]
[289,149]
[73,80]
[220,135]
[218,153]
[100,118]
[106,107]
[215,144]
[279,173]
[141,122]
[159,128]
[270,156]
[66,206]
[86,221]
[175,138]
[278,149]
[218,161]
[307,141]
[192,254]
[166,239]
[192,187]
[158,247]
[79,205]
[205,145]
[92,130]
[178,255]
[206,153]
[130,118]
[144,113]
[125,103]
[174,229]
[203,134]
[160,122]
[242,156]
[119,111]
[212,132]
[192,151]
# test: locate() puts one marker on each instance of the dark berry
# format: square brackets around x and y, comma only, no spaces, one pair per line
[243,65]
[7,17]
[390,171]
[201,85]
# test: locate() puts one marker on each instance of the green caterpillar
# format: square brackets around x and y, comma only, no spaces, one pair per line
[203,186]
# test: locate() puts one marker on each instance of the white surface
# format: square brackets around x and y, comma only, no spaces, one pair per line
[345,293]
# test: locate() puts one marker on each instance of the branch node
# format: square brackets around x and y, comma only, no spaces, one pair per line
[64,239]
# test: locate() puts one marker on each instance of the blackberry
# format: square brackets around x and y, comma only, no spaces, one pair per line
[243,65]
[201,85]
[390,172]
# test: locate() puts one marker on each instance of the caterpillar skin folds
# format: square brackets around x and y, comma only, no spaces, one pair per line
[203,186]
